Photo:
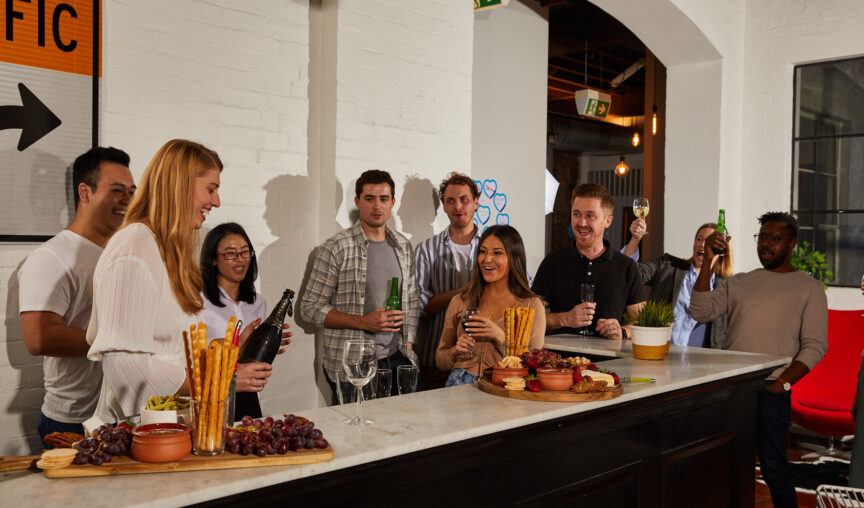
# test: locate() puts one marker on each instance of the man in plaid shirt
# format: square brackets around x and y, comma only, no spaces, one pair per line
[350,283]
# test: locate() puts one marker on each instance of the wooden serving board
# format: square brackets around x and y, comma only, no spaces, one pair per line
[128,465]
[13,462]
[548,395]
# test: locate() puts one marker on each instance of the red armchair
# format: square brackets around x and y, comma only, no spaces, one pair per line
[822,400]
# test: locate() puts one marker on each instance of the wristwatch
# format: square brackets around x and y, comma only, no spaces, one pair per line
[623,333]
[787,386]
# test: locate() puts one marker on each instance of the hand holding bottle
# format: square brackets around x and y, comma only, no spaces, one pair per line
[382,320]
[252,377]
[286,334]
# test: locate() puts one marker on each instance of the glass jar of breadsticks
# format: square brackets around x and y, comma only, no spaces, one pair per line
[518,322]
[210,369]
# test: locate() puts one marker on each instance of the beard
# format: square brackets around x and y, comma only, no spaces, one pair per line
[775,262]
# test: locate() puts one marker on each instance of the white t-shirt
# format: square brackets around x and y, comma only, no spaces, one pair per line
[137,325]
[216,318]
[58,277]
[464,261]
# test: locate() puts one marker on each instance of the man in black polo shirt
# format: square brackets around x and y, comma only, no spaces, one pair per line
[589,260]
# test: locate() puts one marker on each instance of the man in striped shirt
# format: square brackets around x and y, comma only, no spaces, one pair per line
[444,264]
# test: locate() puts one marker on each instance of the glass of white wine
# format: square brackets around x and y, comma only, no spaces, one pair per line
[640,207]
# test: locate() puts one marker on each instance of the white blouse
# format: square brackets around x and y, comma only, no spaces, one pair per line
[136,326]
[216,318]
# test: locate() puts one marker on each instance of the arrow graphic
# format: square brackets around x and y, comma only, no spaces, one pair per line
[33,118]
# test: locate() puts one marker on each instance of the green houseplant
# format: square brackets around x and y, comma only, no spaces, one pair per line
[811,261]
[654,314]
[652,330]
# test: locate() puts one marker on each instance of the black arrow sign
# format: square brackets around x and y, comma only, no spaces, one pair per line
[33,118]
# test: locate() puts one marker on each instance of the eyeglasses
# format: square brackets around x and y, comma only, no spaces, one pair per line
[231,256]
[769,238]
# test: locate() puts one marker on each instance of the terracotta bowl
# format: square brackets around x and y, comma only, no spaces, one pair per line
[161,442]
[499,373]
[555,380]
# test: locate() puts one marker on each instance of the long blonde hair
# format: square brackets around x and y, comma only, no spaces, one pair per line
[724,267]
[162,203]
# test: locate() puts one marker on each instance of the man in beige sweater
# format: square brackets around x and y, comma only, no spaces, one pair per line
[774,310]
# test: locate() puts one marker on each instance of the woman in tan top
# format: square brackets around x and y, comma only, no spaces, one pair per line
[498,283]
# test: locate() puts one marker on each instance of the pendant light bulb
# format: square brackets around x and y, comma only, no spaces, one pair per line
[654,121]
[622,168]
[635,138]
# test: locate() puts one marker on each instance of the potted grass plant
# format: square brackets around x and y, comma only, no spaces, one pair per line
[652,330]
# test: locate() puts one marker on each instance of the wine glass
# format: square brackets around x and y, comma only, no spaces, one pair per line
[465,316]
[640,207]
[587,293]
[406,378]
[360,362]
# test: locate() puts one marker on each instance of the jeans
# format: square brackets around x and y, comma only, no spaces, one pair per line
[47,426]
[391,362]
[461,377]
[772,439]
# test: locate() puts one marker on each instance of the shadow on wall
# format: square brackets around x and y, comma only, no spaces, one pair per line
[47,206]
[30,390]
[290,204]
[418,209]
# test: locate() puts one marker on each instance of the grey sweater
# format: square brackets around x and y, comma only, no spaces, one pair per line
[783,314]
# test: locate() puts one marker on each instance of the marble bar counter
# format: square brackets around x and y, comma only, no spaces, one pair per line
[649,447]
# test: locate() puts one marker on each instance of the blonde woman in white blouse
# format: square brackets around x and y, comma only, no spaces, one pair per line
[147,283]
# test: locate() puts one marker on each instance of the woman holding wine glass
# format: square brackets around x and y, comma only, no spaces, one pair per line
[498,282]
[672,280]
[228,271]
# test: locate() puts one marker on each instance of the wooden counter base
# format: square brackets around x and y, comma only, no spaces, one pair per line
[690,447]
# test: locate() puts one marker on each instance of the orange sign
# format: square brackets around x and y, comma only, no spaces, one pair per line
[50,34]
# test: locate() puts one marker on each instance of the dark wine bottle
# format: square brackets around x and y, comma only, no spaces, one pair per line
[265,340]
[394,302]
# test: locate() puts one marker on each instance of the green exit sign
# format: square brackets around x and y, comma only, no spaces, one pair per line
[482,5]
[597,108]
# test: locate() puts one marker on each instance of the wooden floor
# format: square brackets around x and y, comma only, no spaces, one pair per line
[794,453]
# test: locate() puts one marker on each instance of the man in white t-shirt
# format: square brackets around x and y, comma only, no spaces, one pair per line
[444,263]
[56,284]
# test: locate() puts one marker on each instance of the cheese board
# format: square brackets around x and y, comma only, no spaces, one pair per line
[128,465]
[549,395]
[13,462]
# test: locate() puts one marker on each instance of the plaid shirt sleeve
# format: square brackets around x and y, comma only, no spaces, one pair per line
[317,299]
[413,316]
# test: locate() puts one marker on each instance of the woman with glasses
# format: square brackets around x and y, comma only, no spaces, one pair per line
[672,280]
[229,270]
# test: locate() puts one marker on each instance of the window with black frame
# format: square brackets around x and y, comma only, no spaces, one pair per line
[828,164]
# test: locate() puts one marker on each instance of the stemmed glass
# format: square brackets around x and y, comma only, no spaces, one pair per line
[360,362]
[640,207]
[587,294]
[465,316]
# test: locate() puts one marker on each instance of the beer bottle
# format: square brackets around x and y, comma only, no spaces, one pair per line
[394,302]
[264,342]
[721,228]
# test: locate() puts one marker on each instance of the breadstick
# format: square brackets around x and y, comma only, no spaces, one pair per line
[215,392]
[205,397]
[526,339]
[196,366]
[229,331]
[521,326]
[225,380]
[507,332]
[187,352]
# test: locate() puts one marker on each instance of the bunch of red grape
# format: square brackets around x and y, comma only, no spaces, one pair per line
[267,436]
[106,442]
[540,358]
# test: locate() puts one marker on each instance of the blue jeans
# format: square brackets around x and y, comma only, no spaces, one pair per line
[47,426]
[461,377]
[772,439]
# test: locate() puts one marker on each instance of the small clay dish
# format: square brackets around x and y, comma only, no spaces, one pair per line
[555,380]
[499,373]
[161,442]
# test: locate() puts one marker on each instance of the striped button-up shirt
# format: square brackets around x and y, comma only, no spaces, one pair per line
[338,281]
[438,271]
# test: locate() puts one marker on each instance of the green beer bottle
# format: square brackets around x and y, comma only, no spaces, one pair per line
[393,301]
[721,228]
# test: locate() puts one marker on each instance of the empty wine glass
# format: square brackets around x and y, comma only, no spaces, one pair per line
[587,293]
[406,378]
[360,361]
[385,382]
[465,316]
[640,207]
